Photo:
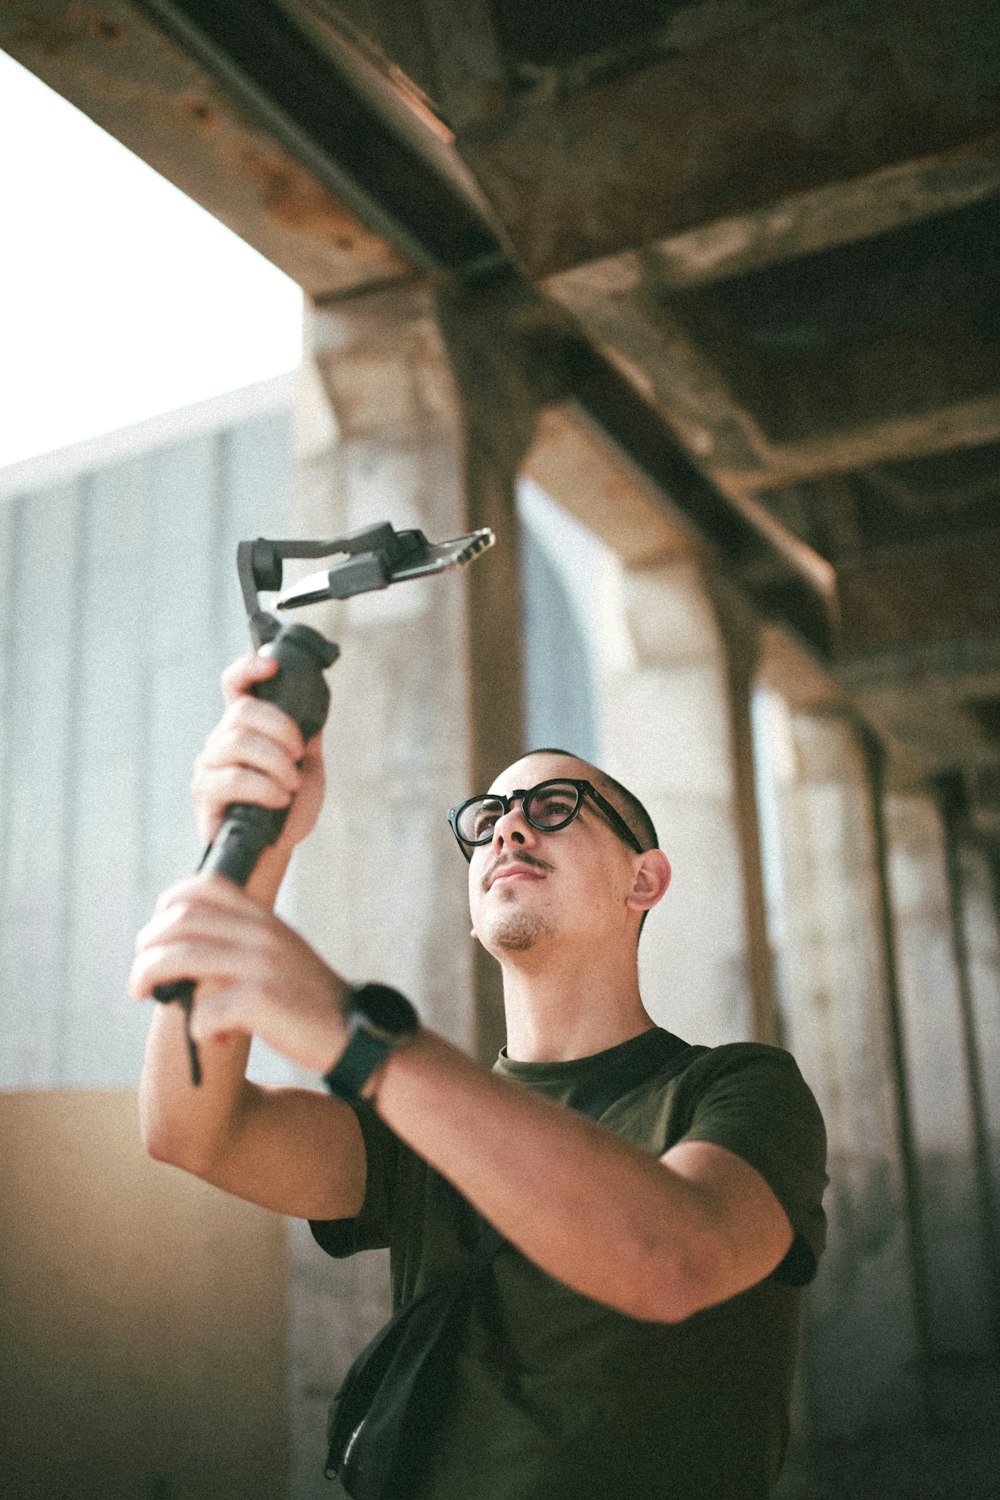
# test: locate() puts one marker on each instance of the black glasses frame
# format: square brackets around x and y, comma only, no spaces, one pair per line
[525,795]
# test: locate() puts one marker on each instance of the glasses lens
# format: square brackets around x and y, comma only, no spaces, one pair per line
[475,822]
[553,804]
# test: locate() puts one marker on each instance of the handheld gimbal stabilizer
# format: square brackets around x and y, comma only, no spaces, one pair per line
[375,556]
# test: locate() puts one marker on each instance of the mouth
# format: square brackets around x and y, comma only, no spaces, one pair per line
[521,870]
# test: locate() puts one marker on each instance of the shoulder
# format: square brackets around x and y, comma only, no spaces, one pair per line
[752,1100]
[743,1066]
[744,1096]
[752,1087]
[736,1056]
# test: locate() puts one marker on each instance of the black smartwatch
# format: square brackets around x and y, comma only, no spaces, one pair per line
[378,1019]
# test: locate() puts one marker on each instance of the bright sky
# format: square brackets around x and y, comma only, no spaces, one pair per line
[119,297]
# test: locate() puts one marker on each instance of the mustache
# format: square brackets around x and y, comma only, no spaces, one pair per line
[512,859]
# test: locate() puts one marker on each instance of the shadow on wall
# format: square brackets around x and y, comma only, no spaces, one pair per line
[136,1363]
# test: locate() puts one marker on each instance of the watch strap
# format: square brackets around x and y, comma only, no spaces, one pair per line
[356,1064]
[379,1019]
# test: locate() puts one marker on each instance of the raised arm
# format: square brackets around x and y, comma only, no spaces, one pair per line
[292,1150]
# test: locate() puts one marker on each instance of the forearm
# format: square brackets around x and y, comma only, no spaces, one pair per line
[591,1209]
[180,1123]
[295,1151]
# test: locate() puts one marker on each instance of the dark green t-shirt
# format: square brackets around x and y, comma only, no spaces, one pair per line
[556,1396]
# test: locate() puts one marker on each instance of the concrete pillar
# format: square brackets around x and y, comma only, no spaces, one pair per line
[740,629]
[946,1086]
[405,416]
[671,730]
[982,905]
[837,981]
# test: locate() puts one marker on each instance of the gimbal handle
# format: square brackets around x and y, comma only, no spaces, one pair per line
[299,689]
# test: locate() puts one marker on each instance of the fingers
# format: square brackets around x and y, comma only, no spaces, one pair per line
[204,927]
[252,755]
[196,961]
[240,676]
[256,754]
[250,725]
[254,974]
[197,897]
[235,754]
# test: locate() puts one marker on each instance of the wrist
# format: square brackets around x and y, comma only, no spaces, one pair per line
[372,1085]
[379,1021]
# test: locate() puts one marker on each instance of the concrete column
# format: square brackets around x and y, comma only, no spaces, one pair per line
[740,629]
[982,906]
[670,731]
[498,413]
[946,1085]
[968,936]
[403,416]
[837,980]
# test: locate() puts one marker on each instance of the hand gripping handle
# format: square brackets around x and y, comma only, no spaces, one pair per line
[299,689]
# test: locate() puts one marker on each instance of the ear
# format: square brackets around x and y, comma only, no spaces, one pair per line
[649,885]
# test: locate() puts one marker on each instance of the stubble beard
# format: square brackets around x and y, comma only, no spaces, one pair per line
[516,931]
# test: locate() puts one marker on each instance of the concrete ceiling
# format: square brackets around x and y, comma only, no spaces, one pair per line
[752,244]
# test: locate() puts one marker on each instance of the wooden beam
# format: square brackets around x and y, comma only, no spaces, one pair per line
[811,95]
[937,593]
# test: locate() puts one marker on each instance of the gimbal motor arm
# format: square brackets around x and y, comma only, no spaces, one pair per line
[374,557]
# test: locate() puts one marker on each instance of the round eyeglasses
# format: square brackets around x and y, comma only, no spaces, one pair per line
[548,807]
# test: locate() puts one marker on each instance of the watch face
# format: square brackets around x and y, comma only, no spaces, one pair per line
[383,1011]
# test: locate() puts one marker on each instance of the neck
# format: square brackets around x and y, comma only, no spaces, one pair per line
[574,1006]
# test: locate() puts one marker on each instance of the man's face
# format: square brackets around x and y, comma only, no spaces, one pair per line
[527,886]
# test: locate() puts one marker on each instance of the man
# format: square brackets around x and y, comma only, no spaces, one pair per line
[636,1334]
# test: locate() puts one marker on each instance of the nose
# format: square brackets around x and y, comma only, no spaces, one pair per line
[513,828]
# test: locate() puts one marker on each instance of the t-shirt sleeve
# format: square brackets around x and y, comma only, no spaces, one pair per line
[752,1100]
[370,1229]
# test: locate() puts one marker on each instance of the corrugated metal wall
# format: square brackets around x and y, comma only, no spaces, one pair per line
[119,605]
